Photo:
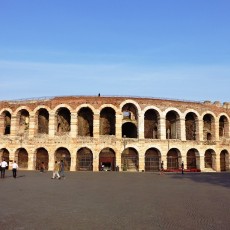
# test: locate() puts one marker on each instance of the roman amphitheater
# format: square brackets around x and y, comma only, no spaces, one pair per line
[94,133]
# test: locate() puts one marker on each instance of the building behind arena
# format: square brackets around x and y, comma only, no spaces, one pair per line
[110,133]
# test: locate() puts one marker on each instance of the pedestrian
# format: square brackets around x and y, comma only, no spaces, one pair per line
[3,165]
[62,169]
[55,171]
[14,169]
[162,168]
[42,167]
[182,167]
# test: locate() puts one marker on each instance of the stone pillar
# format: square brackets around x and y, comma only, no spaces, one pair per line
[118,126]
[162,128]
[202,164]
[31,160]
[217,162]
[141,162]
[73,125]
[96,123]
[32,126]
[14,126]
[141,128]
[73,161]
[95,163]
[164,159]
[118,158]
[52,127]
[182,130]
[200,130]
[2,124]
[183,159]
[51,160]
[217,136]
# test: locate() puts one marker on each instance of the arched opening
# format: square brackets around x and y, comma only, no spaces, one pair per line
[190,126]
[4,154]
[130,160]
[24,119]
[192,159]
[6,123]
[209,159]
[172,125]
[224,161]
[22,157]
[85,122]
[84,160]
[208,127]
[107,121]
[63,154]
[151,124]
[173,160]
[223,127]
[42,156]
[107,160]
[129,130]
[43,121]
[130,112]
[63,121]
[152,160]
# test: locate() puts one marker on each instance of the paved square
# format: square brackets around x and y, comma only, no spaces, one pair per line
[115,200]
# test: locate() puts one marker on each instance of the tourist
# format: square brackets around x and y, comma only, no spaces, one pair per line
[3,165]
[61,169]
[162,168]
[14,169]
[182,167]
[55,171]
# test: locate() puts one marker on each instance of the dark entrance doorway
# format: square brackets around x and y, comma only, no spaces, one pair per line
[130,160]
[84,160]
[22,156]
[152,160]
[107,160]
[42,156]
[63,154]
[172,160]
[191,159]
[224,162]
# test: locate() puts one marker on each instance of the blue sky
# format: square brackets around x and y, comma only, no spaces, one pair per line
[177,49]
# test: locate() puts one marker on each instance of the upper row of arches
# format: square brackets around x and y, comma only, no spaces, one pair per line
[156,123]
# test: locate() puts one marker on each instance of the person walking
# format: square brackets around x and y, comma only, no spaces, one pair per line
[162,168]
[14,169]
[3,165]
[62,169]
[182,167]
[56,171]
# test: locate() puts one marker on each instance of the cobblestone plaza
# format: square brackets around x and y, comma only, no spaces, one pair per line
[115,200]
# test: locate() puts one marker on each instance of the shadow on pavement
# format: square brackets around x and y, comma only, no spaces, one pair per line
[220,179]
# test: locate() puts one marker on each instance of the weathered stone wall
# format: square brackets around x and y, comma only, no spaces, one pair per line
[62,127]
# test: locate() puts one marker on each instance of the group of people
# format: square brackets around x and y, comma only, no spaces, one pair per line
[162,168]
[58,171]
[4,166]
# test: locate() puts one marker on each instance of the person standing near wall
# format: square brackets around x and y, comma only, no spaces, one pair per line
[14,169]
[3,165]
[182,167]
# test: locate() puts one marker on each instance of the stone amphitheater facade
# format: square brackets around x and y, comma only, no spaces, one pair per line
[93,133]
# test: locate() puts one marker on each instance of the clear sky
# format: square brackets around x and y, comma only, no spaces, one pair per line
[177,49]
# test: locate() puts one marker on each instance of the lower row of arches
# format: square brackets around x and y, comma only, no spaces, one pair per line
[129,159]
